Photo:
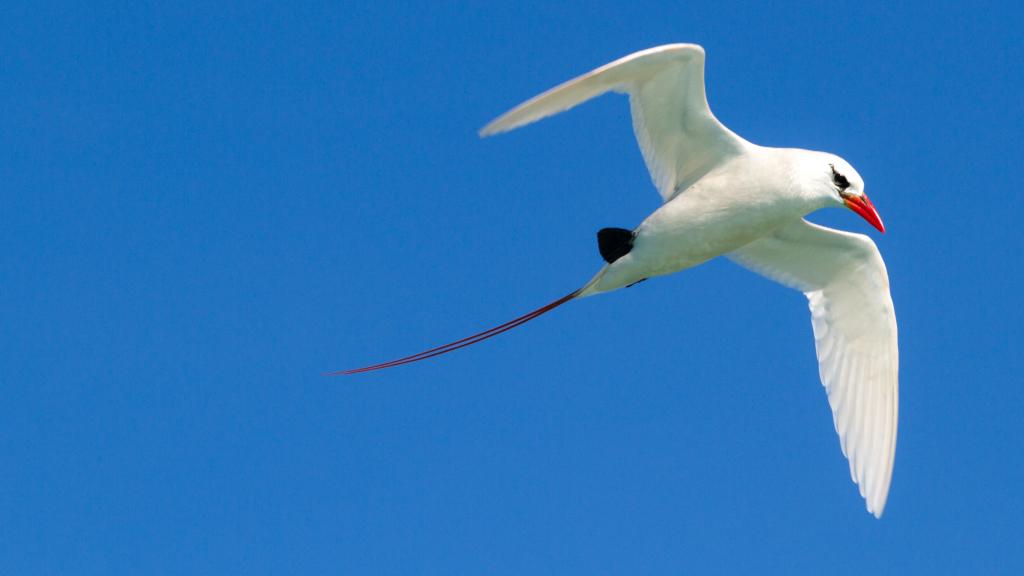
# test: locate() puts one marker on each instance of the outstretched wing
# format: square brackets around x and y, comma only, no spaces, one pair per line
[854,323]
[679,136]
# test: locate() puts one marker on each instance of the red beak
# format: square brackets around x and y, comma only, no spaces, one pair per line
[861,205]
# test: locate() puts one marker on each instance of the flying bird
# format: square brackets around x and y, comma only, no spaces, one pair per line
[723,195]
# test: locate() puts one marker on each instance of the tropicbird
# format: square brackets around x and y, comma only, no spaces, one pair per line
[726,196]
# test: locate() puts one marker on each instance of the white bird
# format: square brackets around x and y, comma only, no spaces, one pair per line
[725,196]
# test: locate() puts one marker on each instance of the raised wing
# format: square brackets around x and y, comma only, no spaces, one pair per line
[679,136]
[854,323]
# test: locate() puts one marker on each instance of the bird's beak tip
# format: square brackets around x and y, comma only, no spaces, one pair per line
[863,206]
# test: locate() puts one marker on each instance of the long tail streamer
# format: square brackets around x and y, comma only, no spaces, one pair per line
[479,337]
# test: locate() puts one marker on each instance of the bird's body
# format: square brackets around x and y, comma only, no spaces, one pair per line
[726,196]
[737,202]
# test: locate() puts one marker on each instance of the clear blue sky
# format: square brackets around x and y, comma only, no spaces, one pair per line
[204,208]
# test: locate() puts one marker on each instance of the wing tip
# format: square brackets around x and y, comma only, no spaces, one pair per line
[490,129]
[877,510]
[876,500]
[527,113]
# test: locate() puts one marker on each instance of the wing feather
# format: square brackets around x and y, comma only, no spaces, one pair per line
[678,135]
[854,324]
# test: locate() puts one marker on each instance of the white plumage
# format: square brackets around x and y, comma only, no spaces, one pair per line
[725,196]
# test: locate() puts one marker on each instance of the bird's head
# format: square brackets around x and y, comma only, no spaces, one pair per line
[842,185]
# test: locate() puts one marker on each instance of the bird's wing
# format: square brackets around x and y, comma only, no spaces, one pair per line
[854,323]
[679,136]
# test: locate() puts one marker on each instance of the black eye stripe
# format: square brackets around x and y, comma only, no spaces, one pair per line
[839,179]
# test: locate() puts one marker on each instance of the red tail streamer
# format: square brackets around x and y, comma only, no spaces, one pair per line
[479,337]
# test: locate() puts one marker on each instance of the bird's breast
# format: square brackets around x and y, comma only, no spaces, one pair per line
[697,226]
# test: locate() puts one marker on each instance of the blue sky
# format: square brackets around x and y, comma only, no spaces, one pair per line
[207,207]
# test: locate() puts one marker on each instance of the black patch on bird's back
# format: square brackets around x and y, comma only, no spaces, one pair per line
[614,243]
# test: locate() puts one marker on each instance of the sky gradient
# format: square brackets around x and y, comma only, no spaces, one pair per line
[206,208]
